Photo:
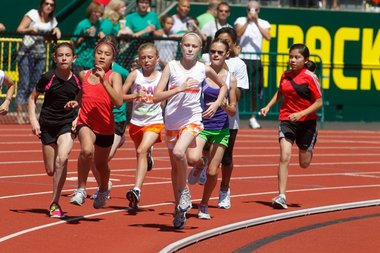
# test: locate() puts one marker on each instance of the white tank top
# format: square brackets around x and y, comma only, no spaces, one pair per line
[185,107]
[144,111]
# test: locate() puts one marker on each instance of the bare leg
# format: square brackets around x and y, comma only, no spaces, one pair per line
[85,159]
[285,157]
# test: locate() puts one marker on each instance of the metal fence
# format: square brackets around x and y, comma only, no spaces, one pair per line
[274,64]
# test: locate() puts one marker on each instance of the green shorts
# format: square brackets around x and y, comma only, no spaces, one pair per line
[216,136]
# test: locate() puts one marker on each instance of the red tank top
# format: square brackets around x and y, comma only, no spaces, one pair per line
[96,107]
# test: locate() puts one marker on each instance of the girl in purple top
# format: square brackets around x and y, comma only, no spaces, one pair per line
[216,130]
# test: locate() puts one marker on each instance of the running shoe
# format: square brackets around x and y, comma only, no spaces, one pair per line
[55,211]
[93,196]
[150,159]
[134,198]
[194,175]
[203,212]
[279,202]
[78,197]
[101,199]
[203,176]
[224,199]
[184,204]
[179,220]
[253,123]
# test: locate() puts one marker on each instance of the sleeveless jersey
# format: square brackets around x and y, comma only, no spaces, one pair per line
[184,107]
[96,107]
[210,94]
[144,111]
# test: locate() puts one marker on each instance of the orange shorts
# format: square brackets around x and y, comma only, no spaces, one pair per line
[173,135]
[136,132]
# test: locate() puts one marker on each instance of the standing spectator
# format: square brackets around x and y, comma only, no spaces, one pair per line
[55,126]
[101,91]
[167,49]
[142,23]
[180,85]
[86,33]
[193,26]
[252,30]
[113,18]
[210,14]
[4,107]
[181,18]
[146,121]
[223,12]
[238,69]
[31,56]
[298,119]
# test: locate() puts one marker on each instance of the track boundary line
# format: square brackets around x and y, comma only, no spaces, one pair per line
[180,244]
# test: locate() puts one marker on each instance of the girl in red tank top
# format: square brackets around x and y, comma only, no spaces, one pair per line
[101,91]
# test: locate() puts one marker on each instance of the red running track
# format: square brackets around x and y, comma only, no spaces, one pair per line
[345,169]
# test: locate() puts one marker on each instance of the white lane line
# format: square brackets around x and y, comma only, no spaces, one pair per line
[36,228]
[262,220]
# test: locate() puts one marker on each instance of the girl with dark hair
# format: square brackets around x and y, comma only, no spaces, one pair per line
[55,125]
[302,95]
[96,125]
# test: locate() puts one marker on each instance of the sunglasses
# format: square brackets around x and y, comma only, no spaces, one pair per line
[216,52]
[225,11]
[51,4]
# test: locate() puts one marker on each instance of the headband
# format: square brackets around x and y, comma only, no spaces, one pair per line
[194,34]
[109,44]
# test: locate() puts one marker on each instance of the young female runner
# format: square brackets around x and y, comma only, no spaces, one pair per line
[55,124]
[146,121]
[180,85]
[298,119]
[95,125]
[216,130]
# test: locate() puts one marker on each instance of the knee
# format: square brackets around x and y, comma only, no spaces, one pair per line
[305,164]
[86,154]
[285,158]
[178,155]
[62,160]
[192,160]
[141,151]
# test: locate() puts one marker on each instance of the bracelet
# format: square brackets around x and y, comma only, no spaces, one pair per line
[9,99]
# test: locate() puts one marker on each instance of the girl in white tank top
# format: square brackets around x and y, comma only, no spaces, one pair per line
[180,85]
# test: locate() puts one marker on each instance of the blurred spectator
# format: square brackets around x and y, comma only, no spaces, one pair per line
[31,56]
[2,27]
[304,3]
[223,12]
[87,32]
[167,49]
[143,22]
[210,14]
[334,5]
[252,30]
[181,18]
[193,26]
[113,18]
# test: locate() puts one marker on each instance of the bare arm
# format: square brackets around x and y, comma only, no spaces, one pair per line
[23,27]
[230,107]
[276,97]
[127,85]
[210,73]
[312,108]
[32,112]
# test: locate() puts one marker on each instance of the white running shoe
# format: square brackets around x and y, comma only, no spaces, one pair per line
[101,199]
[78,197]
[253,123]
[203,212]
[224,199]
[279,202]
[184,204]
[134,198]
